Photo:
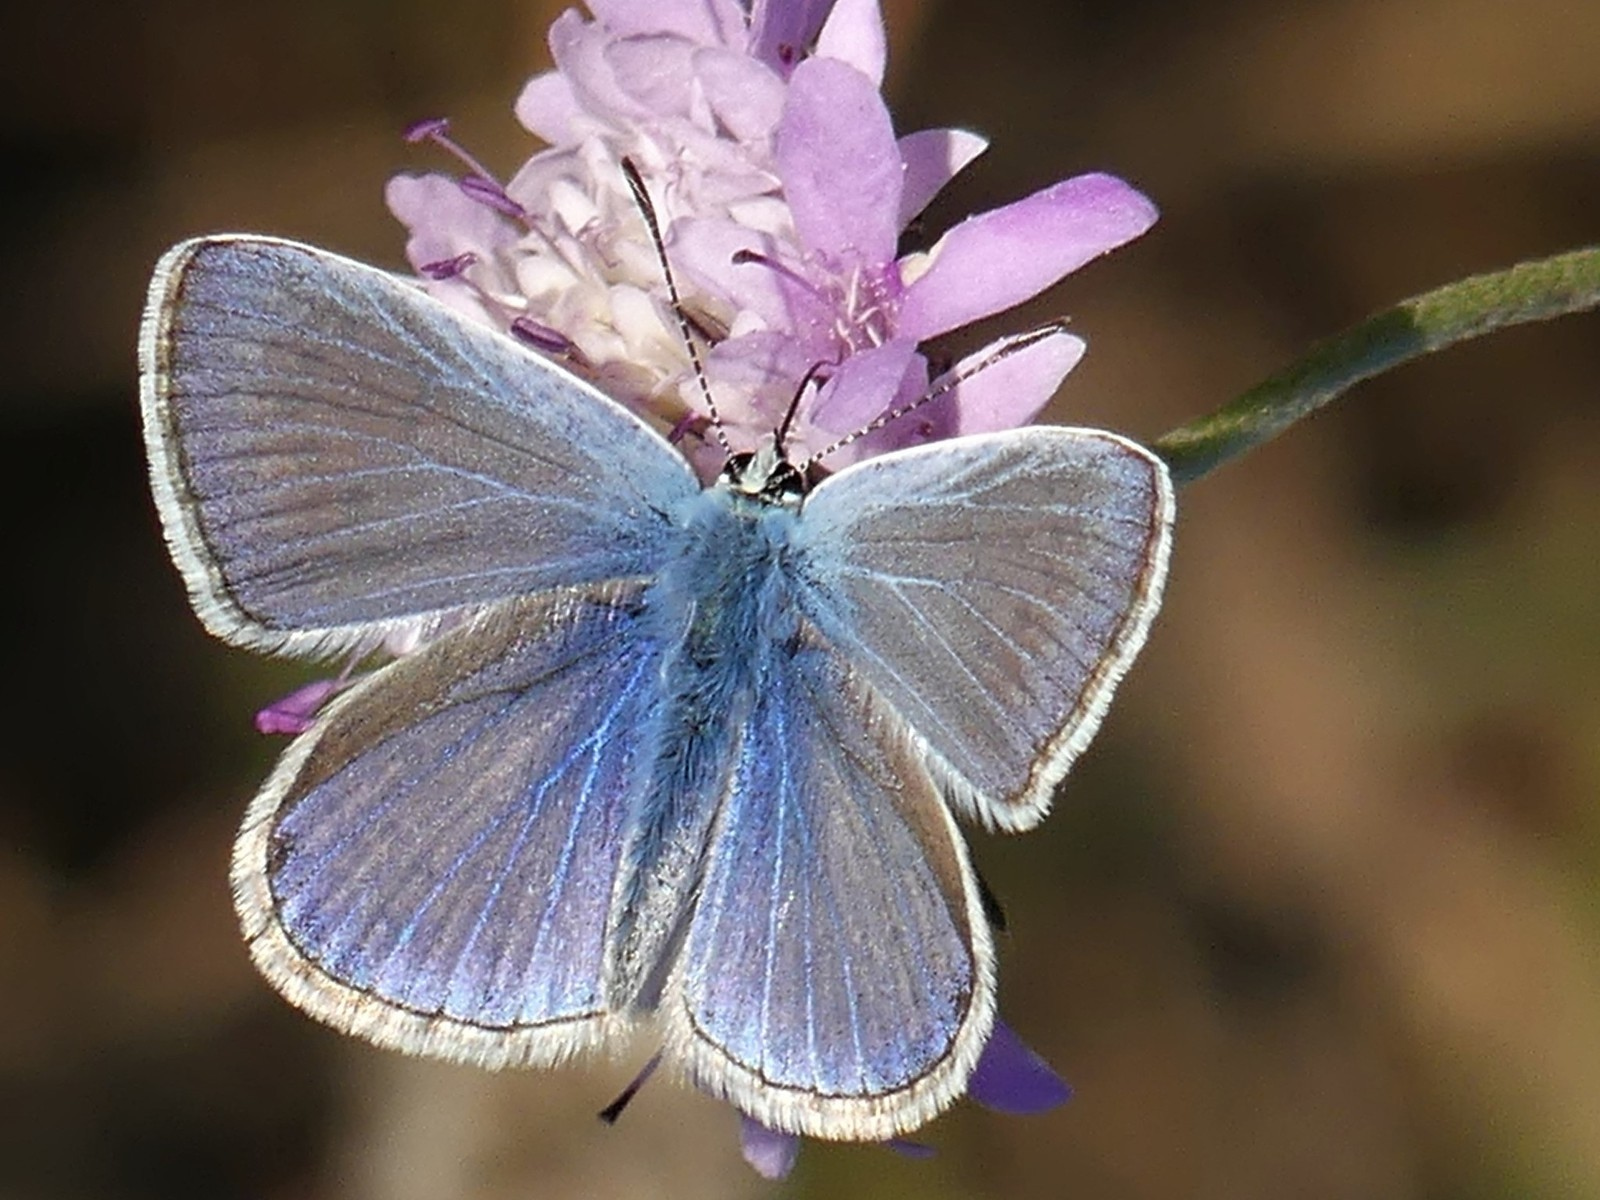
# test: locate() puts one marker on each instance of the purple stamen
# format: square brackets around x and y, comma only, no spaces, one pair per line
[543,338]
[436,130]
[292,714]
[486,191]
[612,1111]
[479,183]
[427,129]
[690,422]
[448,268]
[910,1149]
[757,258]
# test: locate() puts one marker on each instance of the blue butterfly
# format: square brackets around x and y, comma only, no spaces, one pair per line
[679,756]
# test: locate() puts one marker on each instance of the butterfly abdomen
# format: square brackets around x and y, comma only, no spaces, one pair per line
[723,611]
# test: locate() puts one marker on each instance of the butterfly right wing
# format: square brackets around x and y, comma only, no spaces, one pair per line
[433,865]
[993,589]
[836,978]
[337,456]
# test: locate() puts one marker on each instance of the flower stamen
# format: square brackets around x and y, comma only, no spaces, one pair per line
[545,339]
[757,258]
[436,130]
[448,268]
[479,183]
[486,191]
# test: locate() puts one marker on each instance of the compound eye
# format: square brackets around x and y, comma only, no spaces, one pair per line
[785,485]
[737,467]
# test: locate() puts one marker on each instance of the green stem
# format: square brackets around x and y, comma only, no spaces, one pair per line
[1531,291]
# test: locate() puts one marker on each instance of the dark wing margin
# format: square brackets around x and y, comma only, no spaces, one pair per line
[338,457]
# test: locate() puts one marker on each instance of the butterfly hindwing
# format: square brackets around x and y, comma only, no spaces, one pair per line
[837,976]
[337,456]
[433,865]
[993,589]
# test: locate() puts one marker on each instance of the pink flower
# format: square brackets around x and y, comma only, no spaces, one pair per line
[782,191]
[834,285]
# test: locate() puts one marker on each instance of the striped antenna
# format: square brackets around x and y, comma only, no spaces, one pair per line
[946,383]
[641,197]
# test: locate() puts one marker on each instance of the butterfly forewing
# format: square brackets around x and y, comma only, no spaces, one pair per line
[336,455]
[433,865]
[993,590]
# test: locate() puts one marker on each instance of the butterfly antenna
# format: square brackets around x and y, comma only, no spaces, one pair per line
[947,382]
[781,435]
[641,197]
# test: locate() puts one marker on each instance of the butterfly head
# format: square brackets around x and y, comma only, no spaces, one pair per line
[765,475]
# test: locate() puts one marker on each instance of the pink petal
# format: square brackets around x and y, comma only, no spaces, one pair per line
[702,251]
[871,400]
[708,22]
[863,386]
[753,378]
[1010,391]
[782,29]
[839,164]
[753,362]
[997,259]
[655,72]
[532,184]
[580,52]
[448,226]
[444,222]
[854,34]
[548,109]
[1011,1078]
[771,1153]
[932,158]
[746,94]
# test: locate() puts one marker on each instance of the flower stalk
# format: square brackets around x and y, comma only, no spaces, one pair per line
[1530,291]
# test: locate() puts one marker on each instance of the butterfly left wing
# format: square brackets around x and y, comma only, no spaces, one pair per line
[432,865]
[337,456]
[836,978]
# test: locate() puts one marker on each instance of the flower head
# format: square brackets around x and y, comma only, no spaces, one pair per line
[782,190]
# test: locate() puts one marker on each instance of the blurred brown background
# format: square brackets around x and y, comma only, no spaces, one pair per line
[1319,916]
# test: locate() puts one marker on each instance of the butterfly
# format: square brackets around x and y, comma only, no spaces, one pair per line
[670,755]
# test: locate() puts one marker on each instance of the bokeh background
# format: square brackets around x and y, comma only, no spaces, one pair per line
[1319,915]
